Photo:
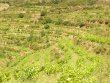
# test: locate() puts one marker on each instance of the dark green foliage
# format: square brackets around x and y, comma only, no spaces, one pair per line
[59,21]
[67,23]
[43,13]
[46,20]
[46,26]
[81,24]
[32,38]
[4,1]
[43,33]
[100,50]
[91,2]
[20,15]
[2,55]
[55,1]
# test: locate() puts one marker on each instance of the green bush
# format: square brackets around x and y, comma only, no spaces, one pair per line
[33,38]
[46,26]
[81,24]
[30,73]
[66,23]
[46,20]
[26,73]
[91,2]
[20,15]
[4,77]
[59,21]
[43,13]
[4,1]
[55,1]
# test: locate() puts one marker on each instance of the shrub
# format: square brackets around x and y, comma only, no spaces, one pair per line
[4,77]
[30,72]
[58,22]
[33,38]
[46,20]
[66,23]
[17,42]
[43,33]
[81,24]
[46,26]
[100,50]
[91,2]
[43,13]
[55,1]
[20,15]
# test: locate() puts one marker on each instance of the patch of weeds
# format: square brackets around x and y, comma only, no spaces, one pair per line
[46,20]
[20,15]
[43,13]
[46,26]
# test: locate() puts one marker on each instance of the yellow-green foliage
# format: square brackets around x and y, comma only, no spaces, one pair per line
[69,44]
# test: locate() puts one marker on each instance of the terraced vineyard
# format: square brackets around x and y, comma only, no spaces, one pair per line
[67,45]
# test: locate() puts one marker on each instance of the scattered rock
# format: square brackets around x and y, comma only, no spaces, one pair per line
[4,6]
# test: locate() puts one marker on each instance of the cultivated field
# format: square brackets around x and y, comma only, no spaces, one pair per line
[55,44]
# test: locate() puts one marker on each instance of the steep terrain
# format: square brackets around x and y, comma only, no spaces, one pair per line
[55,44]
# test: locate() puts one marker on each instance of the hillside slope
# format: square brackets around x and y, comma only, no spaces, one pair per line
[55,44]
